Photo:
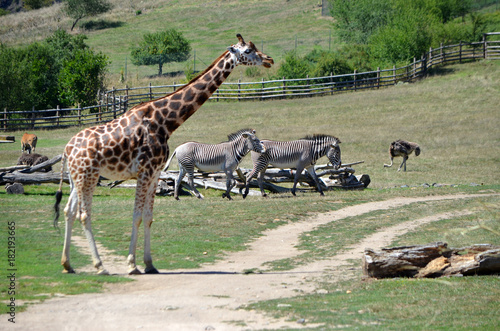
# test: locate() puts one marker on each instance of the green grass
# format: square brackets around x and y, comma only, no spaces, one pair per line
[458,303]
[453,115]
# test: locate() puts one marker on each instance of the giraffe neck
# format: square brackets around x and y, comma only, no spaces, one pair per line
[175,108]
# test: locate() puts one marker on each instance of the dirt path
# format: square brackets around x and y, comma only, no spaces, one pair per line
[208,298]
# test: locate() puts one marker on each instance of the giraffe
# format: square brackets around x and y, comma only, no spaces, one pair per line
[134,146]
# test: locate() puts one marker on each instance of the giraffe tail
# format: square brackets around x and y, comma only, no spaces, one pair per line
[170,160]
[59,192]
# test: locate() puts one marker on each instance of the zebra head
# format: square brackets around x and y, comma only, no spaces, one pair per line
[333,154]
[252,143]
[326,145]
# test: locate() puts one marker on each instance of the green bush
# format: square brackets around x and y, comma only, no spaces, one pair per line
[81,78]
[62,71]
[293,67]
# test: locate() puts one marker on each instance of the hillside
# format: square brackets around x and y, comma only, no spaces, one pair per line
[275,26]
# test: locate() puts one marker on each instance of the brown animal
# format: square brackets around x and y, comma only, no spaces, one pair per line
[28,142]
[33,159]
[402,148]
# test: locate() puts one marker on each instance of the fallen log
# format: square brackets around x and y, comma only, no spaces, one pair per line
[432,260]
[43,165]
[34,178]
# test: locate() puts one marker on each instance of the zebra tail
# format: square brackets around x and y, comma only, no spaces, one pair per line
[59,193]
[169,160]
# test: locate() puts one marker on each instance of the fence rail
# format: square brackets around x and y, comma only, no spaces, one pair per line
[116,101]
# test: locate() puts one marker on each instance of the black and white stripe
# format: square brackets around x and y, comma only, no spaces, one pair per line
[298,154]
[212,158]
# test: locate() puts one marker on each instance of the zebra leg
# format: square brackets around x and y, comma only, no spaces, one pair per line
[178,181]
[296,179]
[192,187]
[311,171]
[260,181]
[405,157]
[230,182]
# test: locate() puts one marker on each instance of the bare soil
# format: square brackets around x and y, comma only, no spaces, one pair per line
[212,297]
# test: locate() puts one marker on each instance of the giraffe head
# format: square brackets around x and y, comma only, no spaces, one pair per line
[247,54]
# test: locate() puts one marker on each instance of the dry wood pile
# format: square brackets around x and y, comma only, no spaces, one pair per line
[23,174]
[432,260]
[329,178]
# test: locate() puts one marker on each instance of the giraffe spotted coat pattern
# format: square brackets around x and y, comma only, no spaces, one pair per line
[134,146]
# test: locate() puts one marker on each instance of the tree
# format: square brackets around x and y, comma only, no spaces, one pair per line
[81,78]
[78,9]
[160,48]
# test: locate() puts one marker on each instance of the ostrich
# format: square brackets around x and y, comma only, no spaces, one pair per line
[402,148]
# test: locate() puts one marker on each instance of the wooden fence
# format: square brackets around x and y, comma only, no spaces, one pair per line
[116,101]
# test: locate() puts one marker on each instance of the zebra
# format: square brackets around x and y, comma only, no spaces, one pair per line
[402,148]
[220,157]
[298,154]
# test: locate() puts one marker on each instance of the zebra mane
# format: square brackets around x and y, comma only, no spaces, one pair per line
[235,135]
[316,137]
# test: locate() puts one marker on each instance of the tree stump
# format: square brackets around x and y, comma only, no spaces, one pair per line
[431,260]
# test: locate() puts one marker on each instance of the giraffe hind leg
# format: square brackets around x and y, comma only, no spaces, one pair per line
[85,202]
[148,221]
[70,212]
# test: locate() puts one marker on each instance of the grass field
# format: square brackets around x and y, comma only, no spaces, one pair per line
[453,115]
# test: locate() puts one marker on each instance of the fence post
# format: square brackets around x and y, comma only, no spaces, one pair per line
[114,104]
[239,89]
[443,54]
[378,77]
[151,92]
[460,53]
[262,91]
[100,112]
[125,104]
[5,118]
[355,85]
[79,115]
[485,55]
[284,88]
[308,85]
[424,65]
[33,118]
[430,56]
[58,115]
[331,82]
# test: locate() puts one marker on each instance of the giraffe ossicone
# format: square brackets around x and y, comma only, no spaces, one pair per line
[135,146]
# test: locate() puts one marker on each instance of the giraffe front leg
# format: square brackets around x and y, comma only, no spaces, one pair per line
[137,219]
[148,221]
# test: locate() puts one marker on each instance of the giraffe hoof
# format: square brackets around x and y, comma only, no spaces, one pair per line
[151,270]
[68,271]
[134,271]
